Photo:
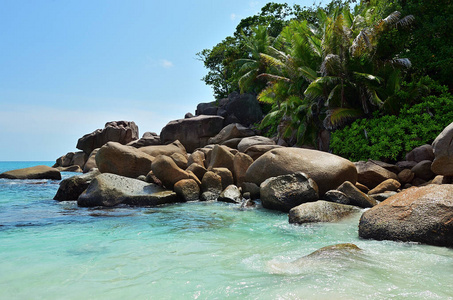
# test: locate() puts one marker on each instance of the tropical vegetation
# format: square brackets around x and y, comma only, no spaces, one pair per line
[349,70]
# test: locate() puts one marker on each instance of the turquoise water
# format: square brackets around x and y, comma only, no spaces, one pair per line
[56,250]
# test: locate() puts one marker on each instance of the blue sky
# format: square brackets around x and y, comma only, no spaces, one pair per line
[68,67]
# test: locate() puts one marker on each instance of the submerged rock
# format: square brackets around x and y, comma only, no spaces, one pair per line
[37,172]
[111,190]
[320,211]
[423,214]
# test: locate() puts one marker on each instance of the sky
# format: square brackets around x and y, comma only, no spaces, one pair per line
[68,67]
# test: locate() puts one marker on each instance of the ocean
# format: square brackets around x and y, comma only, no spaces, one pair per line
[197,250]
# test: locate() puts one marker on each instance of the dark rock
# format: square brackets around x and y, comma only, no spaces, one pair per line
[37,172]
[240,108]
[252,189]
[421,153]
[337,197]
[194,132]
[383,196]
[390,167]
[406,164]
[422,215]
[320,211]
[327,170]
[71,188]
[209,108]
[188,115]
[122,132]
[287,191]
[423,170]
[233,143]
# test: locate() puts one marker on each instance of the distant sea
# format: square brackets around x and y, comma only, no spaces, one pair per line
[197,250]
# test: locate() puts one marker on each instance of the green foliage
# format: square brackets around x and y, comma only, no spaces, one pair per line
[390,137]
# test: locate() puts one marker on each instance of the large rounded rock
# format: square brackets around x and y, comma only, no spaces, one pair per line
[371,174]
[187,190]
[320,211]
[248,142]
[327,170]
[123,160]
[168,150]
[111,190]
[71,188]
[231,131]
[225,175]
[194,132]
[122,132]
[36,172]
[221,157]
[421,153]
[166,170]
[423,214]
[211,186]
[287,191]
[443,152]
[197,170]
[197,157]
[423,170]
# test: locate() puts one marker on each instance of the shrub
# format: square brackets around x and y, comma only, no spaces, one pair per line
[390,137]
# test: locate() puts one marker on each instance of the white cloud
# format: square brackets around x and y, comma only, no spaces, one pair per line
[254,4]
[233,17]
[166,63]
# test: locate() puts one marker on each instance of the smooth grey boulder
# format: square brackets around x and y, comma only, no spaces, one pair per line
[443,152]
[71,188]
[90,164]
[256,151]
[122,132]
[320,211]
[423,170]
[418,214]
[287,191]
[36,172]
[194,132]
[111,190]
[231,195]
[327,170]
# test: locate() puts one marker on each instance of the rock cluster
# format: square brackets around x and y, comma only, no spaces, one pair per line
[214,156]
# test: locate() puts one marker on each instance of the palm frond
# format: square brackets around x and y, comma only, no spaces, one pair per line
[271,61]
[338,117]
[406,21]
[307,73]
[271,77]
[393,18]
[331,65]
